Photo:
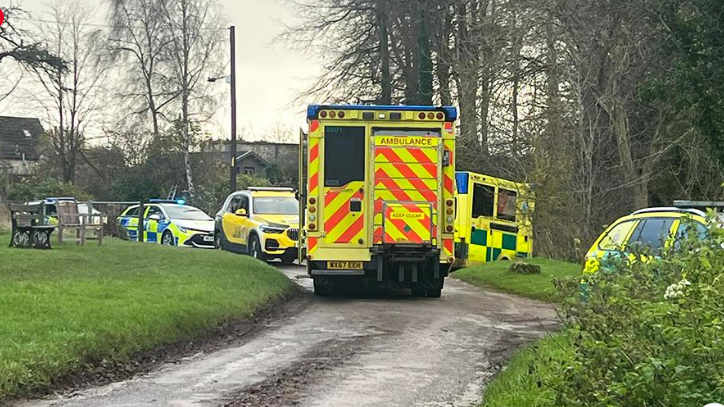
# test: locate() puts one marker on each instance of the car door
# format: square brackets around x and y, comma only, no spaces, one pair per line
[236,227]
[151,225]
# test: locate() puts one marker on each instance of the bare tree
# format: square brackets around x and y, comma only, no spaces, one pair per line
[73,96]
[140,37]
[195,35]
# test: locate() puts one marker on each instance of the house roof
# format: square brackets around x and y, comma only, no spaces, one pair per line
[19,136]
[245,155]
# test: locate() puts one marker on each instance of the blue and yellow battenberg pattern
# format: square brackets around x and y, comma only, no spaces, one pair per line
[154,231]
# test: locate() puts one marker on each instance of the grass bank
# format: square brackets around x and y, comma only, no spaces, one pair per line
[536,286]
[526,379]
[76,305]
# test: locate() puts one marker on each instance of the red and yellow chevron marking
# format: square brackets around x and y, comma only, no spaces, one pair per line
[448,247]
[449,172]
[411,163]
[311,245]
[340,224]
[406,223]
[313,168]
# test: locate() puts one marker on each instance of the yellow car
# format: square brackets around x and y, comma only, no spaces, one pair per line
[260,222]
[652,228]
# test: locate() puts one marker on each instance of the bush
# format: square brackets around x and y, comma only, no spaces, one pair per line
[30,189]
[650,332]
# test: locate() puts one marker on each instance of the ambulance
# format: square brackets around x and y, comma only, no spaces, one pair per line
[377,197]
[494,219]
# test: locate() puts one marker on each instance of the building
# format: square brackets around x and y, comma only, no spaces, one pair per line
[261,157]
[19,145]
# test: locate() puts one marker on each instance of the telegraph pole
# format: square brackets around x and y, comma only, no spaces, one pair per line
[232,147]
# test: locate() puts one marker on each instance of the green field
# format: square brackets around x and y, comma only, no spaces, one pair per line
[537,286]
[74,305]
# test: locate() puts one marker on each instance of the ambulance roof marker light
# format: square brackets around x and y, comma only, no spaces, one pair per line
[181,202]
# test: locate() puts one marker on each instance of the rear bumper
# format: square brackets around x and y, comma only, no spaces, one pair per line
[398,265]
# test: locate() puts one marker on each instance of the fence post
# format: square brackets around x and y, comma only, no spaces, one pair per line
[140,230]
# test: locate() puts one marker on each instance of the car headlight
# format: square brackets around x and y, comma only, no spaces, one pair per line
[272,230]
[182,230]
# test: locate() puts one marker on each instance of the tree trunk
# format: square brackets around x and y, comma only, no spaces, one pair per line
[467,82]
[424,60]
[385,76]
[443,57]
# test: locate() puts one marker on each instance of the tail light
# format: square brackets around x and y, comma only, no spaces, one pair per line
[440,116]
[421,116]
[312,226]
[312,201]
[449,229]
[332,114]
[340,115]
[431,115]
[323,114]
[312,209]
[451,260]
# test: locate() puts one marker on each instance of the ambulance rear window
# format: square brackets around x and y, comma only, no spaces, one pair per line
[344,155]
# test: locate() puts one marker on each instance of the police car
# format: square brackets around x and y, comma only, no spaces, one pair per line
[170,223]
[260,222]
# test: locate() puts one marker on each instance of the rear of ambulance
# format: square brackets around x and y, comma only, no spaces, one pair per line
[379,197]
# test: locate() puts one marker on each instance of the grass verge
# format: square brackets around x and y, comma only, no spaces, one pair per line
[65,309]
[527,378]
[536,286]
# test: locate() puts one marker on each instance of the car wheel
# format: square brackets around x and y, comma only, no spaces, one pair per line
[168,239]
[255,248]
[217,241]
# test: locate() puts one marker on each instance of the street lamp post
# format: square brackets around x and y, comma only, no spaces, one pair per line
[232,80]
[232,147]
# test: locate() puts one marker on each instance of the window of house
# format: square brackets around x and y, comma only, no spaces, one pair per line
[344,155]
[483,200]
[249,170]
[652,233]
[507,204]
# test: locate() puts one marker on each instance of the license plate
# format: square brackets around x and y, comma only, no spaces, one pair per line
[344,265]
[208,238]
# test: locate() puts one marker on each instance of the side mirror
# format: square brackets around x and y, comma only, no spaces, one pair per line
[155,217]
[241,212]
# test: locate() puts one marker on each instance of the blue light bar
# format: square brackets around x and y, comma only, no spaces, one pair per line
[167,201]
[461,179]
[451,113]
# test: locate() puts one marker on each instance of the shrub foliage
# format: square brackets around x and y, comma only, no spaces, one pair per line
[649,332]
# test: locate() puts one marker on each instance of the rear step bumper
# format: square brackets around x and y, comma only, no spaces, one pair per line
[399,264]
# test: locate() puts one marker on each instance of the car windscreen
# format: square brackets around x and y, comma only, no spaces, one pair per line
[276,206]
[185,213]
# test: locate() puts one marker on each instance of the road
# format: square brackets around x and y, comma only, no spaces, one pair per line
[377,351]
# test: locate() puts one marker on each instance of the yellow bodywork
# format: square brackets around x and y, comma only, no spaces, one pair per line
[614,241]
[334,233]
[283,229]
[492,236]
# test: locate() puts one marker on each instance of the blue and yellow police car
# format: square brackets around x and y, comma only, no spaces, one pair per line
[171,223]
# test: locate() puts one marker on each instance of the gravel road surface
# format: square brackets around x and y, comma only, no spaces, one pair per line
[378,350]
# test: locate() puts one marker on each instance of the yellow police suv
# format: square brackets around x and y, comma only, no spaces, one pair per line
[260,222]
[171,223]
[652,229]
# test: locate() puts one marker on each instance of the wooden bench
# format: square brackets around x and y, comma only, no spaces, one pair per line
[69,218]
[28,227]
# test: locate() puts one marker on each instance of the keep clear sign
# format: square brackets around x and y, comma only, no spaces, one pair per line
[407,215]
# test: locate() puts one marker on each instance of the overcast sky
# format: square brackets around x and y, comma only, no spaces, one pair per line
[270,74]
